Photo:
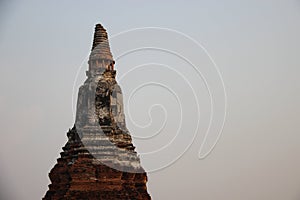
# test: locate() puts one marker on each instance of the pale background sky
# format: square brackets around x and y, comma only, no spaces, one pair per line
[255,44]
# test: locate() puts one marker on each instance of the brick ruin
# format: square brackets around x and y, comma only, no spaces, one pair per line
[99,160]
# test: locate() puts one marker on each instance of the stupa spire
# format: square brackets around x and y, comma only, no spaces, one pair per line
[100,48]
[101,57]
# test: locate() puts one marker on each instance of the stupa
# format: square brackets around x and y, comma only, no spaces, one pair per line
[99,160]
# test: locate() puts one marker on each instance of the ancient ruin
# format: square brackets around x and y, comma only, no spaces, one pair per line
[99,160]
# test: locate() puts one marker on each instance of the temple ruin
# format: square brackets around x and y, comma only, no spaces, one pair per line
[99,160]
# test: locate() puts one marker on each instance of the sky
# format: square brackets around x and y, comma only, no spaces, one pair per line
[184,67]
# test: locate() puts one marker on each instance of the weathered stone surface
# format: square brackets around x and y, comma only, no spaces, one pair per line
[98,161]
[79,175]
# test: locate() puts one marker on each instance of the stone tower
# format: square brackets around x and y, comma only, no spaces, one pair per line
[99,160]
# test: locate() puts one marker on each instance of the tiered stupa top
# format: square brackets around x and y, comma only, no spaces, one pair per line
[100,48]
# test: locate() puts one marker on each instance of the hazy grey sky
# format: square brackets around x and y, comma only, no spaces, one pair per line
[255,45]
